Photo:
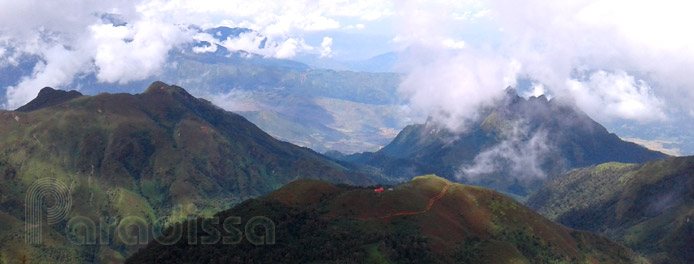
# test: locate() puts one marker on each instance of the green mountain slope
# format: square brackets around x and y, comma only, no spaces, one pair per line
[161,155]
[648,207]
[427,220]
[513,147]
[252,85]
[293,93]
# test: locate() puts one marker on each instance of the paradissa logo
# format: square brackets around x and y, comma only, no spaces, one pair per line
[135,230]
[49,201]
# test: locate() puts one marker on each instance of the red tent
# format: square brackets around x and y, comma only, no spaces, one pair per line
[379,189]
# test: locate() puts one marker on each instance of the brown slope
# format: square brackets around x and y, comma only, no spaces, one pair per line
[161,155]
[318,222]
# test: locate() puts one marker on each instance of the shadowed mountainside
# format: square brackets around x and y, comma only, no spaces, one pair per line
[159,156]
[648,207]
[48,97]
[427,220]
[513,147]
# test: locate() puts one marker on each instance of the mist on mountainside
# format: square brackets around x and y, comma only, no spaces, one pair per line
[365,131]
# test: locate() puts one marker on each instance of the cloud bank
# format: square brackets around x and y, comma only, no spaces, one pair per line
[129,40]
[615,59]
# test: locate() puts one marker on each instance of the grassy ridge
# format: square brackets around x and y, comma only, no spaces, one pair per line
[160,156]
[648,207]
[319,222]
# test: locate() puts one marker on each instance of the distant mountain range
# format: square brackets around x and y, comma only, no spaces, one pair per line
[648,207]
[165,156]
[513,147]
[309,100]
[161,155]
[426,220]
[222,76]
[380,63]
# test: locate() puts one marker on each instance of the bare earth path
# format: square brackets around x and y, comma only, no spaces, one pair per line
[426,209]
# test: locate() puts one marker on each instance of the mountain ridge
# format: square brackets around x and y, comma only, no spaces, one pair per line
[316,221]
[513,147]
[648,207]
[48,97]
[161,155]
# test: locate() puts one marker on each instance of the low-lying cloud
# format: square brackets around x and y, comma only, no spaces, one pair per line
[615,59]
[448,85]
[521,155]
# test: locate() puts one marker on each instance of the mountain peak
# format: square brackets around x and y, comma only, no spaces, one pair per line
[557,137]
[48,97]
[540,98]
[159,87]
[511,96]
[511,91]
[419,221]
[47,90]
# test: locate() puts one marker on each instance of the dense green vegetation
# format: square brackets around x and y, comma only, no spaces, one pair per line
[160,156]
[648,207]
[319,222]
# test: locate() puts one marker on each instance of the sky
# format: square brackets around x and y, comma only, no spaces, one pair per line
[619,61]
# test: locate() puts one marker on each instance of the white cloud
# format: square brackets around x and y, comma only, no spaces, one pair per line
[616,95]
[204,49]
[640,48]
[644,48]
[287,49]
[249,42]
[116,54]
[522,155]
[452,86]
[130,53]
[453,44]
[316,22]
[537,89]
[325,46]
[72,30]
[254,42]
[200,37]
[357,26]
[60,67]
[469,15]
[639,53]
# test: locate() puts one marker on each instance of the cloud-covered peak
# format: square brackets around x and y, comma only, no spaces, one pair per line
[618,60]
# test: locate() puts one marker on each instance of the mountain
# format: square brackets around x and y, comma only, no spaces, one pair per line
[380,63]
[648,207]
[426,220]
[513,147]
[304,97]
[48,97]
[158,156]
